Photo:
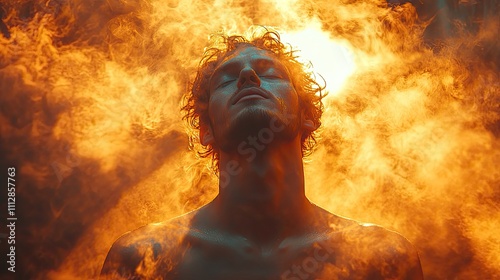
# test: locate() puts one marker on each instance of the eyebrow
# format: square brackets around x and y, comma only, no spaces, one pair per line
[226,65]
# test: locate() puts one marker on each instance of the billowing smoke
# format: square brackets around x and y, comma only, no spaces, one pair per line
[90,94]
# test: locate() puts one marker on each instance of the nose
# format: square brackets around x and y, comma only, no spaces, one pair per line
[248,77]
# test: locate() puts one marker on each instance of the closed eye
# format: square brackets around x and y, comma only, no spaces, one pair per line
[272,77]
[225,83]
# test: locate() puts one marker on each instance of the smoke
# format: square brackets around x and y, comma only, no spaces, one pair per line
[89,102]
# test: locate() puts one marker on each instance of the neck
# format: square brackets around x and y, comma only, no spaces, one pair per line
[262,197]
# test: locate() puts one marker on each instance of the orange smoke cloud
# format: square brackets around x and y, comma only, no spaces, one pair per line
[89,99]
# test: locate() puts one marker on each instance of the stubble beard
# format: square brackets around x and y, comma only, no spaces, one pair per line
[252,121]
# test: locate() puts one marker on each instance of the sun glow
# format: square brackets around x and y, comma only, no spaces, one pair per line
[331,59]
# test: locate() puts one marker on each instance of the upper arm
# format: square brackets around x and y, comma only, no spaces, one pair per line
[411,263]
[143,253]
[399,259]
[122,261]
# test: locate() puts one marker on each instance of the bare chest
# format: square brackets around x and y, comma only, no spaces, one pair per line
[311,258]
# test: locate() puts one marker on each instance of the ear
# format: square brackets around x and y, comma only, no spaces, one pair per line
[206,135]
[308,124]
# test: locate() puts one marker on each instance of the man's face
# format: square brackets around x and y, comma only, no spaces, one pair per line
[249,90]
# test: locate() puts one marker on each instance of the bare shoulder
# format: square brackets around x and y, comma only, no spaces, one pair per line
[396,257]
[138,252]
[378,252]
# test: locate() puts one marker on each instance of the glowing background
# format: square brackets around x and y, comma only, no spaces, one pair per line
[89,100]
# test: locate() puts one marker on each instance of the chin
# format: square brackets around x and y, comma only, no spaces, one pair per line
[249,122]
[243,124]
[254,116]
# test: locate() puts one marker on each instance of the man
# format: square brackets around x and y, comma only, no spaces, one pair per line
[256,109]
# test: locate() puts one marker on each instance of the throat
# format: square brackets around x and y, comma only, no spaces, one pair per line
[263,198]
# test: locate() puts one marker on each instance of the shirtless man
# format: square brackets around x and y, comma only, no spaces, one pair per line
[256,110]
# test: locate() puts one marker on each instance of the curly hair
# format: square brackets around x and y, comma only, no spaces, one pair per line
[195,101]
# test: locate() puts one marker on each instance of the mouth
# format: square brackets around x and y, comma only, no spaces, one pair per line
[250,93]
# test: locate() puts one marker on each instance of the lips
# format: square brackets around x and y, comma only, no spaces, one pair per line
[250,92]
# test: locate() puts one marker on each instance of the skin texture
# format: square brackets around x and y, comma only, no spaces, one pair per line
[260,225]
